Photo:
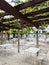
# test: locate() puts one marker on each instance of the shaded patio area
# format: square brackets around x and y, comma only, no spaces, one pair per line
[28,50]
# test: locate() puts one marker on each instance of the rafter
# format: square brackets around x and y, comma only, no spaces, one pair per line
[29,4]
[3,14]
[41,22]
[34,18]
[3,29]
[37,12]
[13,11]
[7,20]
[39,17]
[4,25]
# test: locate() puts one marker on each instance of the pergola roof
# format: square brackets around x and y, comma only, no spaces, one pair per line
[38,12]
[21,20]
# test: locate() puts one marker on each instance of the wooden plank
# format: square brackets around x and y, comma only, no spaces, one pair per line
[4,25]
[7,20]
[41,22]
[3,14]
[12,23]
[29,4]
[34,18]
[2,29]
[39,17]
[9,9]
[13,11]
[35,23]
[37,12]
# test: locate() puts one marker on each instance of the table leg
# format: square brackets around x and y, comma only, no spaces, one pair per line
[37,53]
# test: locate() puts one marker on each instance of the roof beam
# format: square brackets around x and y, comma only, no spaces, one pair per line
[2,29]
[41,22]
[13,11]
[29,4]
[3,21]
[4,25]
[3,14]
[7,20]
[39,17]
[34,18]
[37,12]
[35,24]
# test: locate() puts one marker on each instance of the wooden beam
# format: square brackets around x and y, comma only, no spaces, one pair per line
[39,17]
[29,4]
[34,18]
[37,12]
[2,29]
[37,45]
[10,23]
[6,20]
[41,22]
[4,25]
[13,11]
[3,14]
[37,41]
[35,23]
[18,41]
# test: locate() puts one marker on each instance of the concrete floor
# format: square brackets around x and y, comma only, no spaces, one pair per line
[11,57]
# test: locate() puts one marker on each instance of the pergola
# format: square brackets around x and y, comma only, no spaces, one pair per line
[22,19]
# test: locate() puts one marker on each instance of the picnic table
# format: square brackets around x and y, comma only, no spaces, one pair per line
[33,50]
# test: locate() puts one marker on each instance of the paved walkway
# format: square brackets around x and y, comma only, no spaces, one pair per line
[11,57]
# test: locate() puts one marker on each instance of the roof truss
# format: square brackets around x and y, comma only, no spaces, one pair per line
[37,12]
[23,18]
[29,4]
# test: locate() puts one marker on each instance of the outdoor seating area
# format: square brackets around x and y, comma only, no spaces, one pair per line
[24,32]
[28,53]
